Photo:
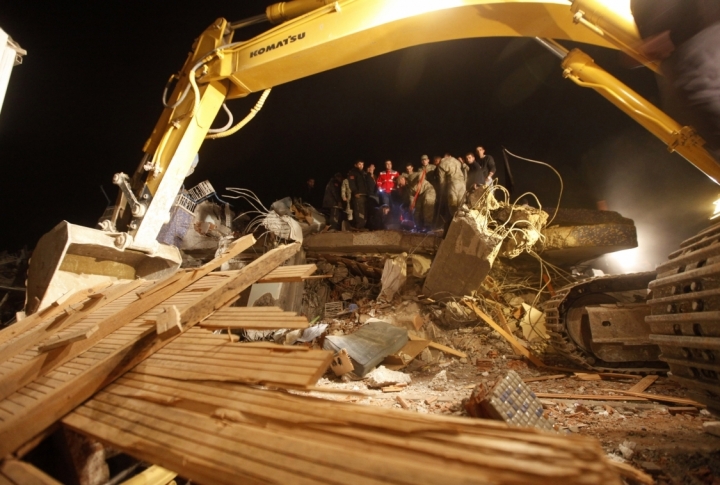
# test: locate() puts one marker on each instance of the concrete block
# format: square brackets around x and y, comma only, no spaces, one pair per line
[463,261]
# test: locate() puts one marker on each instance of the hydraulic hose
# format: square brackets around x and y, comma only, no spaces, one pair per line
[258,106]
[227,125]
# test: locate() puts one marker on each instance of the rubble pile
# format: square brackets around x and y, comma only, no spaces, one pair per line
[13,270]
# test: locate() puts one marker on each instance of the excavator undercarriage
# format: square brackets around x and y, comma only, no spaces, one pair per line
[599,324]
[612,323]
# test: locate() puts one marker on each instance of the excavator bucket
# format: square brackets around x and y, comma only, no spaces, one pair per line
[71,258]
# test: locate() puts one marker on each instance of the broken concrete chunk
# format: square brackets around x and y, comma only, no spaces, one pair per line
[382,377]
[341,363]
[420,265]
[627,449]
[533,324]
[464,259]
[439,382]
[712,427]
[508,399]
[368,346]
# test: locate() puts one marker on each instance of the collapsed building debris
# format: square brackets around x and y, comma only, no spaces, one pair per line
[479,233]
[172,399]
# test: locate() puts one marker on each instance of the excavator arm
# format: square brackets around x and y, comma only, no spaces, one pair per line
[318,35]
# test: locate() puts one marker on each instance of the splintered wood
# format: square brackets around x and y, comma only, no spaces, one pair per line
[221,433]
[14,472]
[38,388]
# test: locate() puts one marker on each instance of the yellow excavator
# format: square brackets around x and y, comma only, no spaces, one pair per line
[311,36]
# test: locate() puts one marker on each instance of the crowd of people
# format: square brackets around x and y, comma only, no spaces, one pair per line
[421,199]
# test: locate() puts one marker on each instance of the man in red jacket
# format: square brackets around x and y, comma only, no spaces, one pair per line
[386,183]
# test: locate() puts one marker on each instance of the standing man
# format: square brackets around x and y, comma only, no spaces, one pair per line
[371,171]
[452,183]
[430,172]
[409,172]
[386,183]
[358,181]
[333,202]
[422,201]
[487,163]
[475,174]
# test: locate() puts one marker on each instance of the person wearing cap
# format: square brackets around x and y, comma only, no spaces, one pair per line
[386,183]
[422,201]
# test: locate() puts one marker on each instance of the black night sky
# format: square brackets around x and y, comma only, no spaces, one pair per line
[88,94]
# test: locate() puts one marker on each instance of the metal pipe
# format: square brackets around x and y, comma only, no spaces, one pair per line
[258,19]
[553,47]
[614,22]
[281,12]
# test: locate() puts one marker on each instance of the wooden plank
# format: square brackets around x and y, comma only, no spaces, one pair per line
[54,343]
[52,311]
[447,350]
[659,398]
[227,293]
[46,362]
[299,365]
[587,397]
[199,467]
[509,337]
[383,447]
[23,473]
[289,274]
[212,324]
[28,422]
[545,378]
[644,383]
[47,327]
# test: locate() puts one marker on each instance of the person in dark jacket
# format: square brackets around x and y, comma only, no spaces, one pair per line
[475,174]
[487,164]
[359,185]
[332,201]
[684,35]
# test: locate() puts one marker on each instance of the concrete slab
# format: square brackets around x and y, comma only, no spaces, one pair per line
[570,245]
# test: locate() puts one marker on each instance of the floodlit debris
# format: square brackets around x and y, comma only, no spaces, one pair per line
[393,277]
[382,377]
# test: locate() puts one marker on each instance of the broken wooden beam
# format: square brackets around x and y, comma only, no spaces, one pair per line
[221,435]
[54,394]
[76,336]
[132,307]
[254,318]
[509,337]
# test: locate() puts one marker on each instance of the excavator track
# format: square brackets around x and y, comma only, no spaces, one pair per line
[561,312]
[685,315]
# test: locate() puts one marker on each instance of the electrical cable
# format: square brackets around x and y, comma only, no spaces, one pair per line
[557,207]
